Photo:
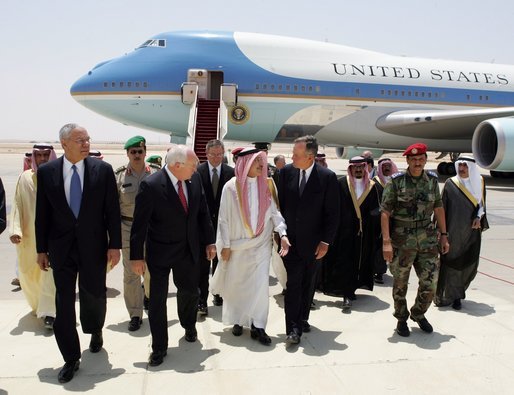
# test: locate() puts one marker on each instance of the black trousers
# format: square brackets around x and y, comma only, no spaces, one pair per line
[301,283]
[203,281]
[185,278]
[92,301]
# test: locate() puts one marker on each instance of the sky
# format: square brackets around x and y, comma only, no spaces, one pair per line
[47,45]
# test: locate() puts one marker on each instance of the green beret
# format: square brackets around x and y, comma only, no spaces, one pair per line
[135,142]
[154,159]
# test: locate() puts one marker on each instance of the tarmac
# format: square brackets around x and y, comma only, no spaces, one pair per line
[470,351]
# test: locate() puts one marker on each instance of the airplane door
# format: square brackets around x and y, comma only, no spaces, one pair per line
[209,82]
[215,82]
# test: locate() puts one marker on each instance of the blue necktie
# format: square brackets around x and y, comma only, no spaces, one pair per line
[75,192]
[302,182]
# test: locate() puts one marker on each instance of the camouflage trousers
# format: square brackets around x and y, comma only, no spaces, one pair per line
[426,265]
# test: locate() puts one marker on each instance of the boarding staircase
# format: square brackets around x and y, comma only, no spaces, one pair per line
[206,125]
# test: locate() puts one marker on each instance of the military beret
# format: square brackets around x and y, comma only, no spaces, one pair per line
[156,159]
[135,142]
[237,150]
[415,149]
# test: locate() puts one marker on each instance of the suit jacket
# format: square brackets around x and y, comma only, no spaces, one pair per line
[314,216]
[98,226]
[213,202]
[3,222]
[160,220]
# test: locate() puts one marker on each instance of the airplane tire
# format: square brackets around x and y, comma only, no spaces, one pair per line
[450,169]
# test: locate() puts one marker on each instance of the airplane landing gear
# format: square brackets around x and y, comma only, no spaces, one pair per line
[446,169]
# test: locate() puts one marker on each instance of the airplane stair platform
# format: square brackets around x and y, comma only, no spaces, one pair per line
[206,125]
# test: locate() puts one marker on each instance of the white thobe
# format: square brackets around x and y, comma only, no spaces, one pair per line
[243,281]
[37,285]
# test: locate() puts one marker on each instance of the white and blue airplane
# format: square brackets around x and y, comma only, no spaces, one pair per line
[273,88]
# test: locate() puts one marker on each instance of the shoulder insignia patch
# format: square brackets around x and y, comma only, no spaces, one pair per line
[432,173]
[120,169]
[399,174]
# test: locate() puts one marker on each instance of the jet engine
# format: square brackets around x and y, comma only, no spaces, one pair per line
[493,144]
[350,152]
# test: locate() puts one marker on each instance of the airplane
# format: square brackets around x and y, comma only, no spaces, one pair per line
[259,87]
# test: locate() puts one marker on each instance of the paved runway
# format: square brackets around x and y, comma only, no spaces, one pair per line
[470,352]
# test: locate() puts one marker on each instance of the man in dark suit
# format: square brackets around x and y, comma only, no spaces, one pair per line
[214,175]
[78,233]
[309,202]
[171,214]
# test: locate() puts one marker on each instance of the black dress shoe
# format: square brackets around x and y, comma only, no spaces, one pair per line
[347,305]
[156,357]
[67,371]
[237,330]
[293,338]
[135,324]
[146,303]
[49,322]
[306,327]
[402,329]
[217,301]
[96,343]
[379,279]
[457,305]
[424,325]
[261,335]
[191,335]
[202,309]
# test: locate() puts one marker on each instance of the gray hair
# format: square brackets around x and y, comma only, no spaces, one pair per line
[177,153]
[65,131]
[311,144]
[214,143]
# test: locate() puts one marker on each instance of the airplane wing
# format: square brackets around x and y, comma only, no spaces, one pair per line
[439,124]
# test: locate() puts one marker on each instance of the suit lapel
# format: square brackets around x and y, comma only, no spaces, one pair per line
[58,180]
[170,192]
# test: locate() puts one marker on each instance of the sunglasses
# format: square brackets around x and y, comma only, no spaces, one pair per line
[136,151]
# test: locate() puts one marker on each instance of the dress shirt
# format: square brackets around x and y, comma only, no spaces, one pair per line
[67,172]
[174,181]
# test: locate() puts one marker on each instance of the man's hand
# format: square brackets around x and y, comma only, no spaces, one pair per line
[225,254]
[284,246]
[138,266]
[445,246]
[15,239]
[113,256]
[210,252]
[42,261]
[474,225]
[387,250]
[321,250]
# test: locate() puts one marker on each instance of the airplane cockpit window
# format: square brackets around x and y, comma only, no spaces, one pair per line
[161,43]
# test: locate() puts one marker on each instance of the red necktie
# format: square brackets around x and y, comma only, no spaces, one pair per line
[182,196]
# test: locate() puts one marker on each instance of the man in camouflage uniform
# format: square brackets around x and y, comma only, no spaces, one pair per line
[128,179]
[409,200]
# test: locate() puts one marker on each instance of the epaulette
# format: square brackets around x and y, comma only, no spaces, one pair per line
[399,174]
[120,169]
[432,173]
[153,165]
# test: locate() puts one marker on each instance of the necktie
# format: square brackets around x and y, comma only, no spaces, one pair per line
[215,181]
[302,182]
[75,192]
[182,196]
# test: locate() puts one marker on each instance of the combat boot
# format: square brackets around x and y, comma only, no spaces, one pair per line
[424,325]
[402,329]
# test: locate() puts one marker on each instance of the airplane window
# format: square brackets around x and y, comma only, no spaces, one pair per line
[295,88]
[468,97]
[310,88]
[145,84]
[409,93]
[388,93]
[403,93]
[487,98]
[436,94]
[129,84]
[264,86]
[303,88]
[357,91]
[106,85]
[272,87]
[288,87]
[279,87]
[137,84]
[154,43]
[422,94]
[382,92]
[480,97]
[416,94]
[113,84]
[121,84]
[257,86]
[396,93]
[429,94]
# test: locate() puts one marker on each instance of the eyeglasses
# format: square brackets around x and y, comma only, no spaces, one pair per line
[215,155]
[136,151]
[83,141]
